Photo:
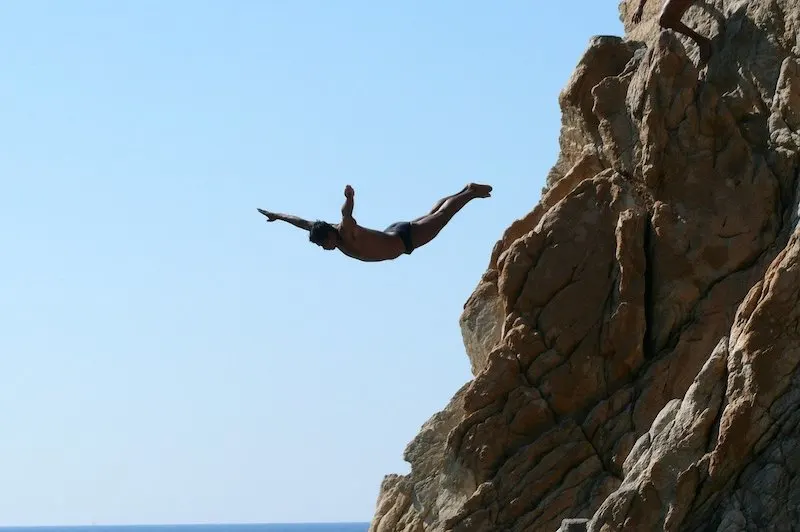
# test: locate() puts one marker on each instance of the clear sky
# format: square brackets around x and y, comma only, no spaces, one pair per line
[169,357]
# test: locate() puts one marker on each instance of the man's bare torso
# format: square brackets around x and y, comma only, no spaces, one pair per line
[369,245]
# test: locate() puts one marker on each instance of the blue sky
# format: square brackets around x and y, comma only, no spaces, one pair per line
[168,357]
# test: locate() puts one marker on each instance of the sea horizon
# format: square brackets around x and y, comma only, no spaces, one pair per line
[311,526]
[188,524]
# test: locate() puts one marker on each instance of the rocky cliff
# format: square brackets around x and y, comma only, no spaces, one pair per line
[635,339]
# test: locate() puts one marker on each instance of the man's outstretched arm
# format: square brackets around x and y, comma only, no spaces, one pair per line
[348,222]
[349,202]
[288,218]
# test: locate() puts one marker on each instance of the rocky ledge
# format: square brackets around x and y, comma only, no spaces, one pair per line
[635,339]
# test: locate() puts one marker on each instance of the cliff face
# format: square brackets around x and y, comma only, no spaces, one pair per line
[636,338]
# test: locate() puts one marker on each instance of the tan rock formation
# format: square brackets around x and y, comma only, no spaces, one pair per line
[635,338]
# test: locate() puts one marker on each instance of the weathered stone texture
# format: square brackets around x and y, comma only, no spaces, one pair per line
[635,338]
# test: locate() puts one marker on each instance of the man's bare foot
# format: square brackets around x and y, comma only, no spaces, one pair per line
[705,51]
[480,191]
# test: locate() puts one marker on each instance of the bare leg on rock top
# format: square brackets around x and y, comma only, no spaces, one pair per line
[670,18]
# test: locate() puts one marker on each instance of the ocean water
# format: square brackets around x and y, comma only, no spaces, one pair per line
[294,527]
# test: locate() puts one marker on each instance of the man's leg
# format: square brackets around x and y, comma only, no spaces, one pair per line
[440,203]
[670,18]
[425,229]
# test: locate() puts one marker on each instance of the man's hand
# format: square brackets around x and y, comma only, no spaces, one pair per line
[349,192]
[271,216]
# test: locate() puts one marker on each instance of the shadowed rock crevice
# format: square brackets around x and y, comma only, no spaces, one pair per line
[648,348]
[635,340]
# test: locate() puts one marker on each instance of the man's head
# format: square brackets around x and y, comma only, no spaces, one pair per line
[324,234]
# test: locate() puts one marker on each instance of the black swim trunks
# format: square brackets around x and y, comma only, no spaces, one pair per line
[403,230]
